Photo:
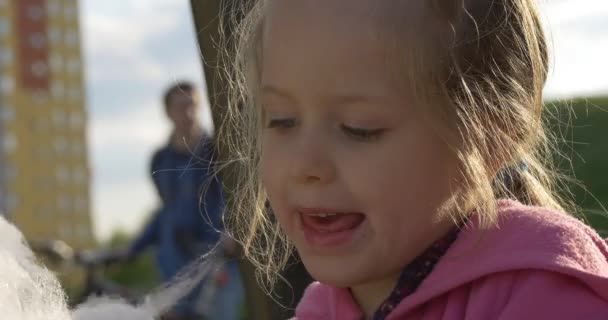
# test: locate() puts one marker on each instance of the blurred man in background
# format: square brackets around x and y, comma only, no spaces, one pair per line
[189,222]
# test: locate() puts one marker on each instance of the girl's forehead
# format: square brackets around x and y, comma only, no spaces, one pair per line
[337,14]
[311,17]
[321,58]
[343,42]
[401,27]
[387,26]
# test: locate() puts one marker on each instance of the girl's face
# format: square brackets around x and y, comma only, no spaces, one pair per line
[354,174]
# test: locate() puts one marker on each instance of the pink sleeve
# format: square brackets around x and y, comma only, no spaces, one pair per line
[547,295]
[322,302]
[312,305]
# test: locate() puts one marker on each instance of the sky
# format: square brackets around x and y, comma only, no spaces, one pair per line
[133,49]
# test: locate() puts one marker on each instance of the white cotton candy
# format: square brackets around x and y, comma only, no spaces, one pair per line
[103,309]
[28,291]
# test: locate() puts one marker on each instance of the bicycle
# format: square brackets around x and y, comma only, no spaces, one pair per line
[95,264]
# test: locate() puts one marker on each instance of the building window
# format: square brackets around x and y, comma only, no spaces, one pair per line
[5,26]
[79,176]
[73,66]
[55,35]
[9,142]
[57,89]
[53,7]
[77,120]
[45,182]
[78,149]
[40,96]
[42,212]
[69,11]
[71,38]
[62,175]
[83,232]
[39,69]
[7,84]
[61,146]
[65,231]
[11,202]
[35,12]
[37,40]
[41,125]
[6,56]
[74,94]
[7,113]
[10,173]
[80,205]
[60,119]
[64,205]
[56,62]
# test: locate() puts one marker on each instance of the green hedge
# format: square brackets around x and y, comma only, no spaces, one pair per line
[583,125]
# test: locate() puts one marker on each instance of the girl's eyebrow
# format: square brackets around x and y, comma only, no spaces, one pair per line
[335,100]
[271,90]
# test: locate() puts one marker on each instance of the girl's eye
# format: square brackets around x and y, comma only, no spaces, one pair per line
[281,123]
[361,134]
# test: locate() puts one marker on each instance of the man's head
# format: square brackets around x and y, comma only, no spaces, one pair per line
[181,102]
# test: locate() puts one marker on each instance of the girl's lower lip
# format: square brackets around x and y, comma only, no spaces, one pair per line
[318,239]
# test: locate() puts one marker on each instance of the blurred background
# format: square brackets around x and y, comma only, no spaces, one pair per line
[81,112]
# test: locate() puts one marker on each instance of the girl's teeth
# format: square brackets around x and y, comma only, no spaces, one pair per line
[325,215]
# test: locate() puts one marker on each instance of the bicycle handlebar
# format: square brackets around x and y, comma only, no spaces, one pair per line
[56,250]
[60,252]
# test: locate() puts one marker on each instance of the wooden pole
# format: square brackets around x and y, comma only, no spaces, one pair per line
[207,23]
[206,15]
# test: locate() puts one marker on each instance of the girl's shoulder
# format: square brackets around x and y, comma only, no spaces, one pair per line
[510,212]
[533,258]
[541,294]
[547,233]
[532,238]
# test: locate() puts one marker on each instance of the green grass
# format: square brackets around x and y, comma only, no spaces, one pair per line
[585,134]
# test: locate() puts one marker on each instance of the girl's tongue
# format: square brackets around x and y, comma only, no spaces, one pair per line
[332,222]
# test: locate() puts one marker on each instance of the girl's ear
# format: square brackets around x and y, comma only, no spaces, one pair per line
[498,158]
[495,165]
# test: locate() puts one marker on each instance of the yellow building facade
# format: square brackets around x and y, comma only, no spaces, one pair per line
[44,173]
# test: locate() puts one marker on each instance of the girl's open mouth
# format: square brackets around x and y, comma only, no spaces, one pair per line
[326,228]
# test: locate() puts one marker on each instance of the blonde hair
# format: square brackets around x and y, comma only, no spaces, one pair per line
[480,77]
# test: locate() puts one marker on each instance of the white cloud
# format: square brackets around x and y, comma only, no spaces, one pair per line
[123,207]
[580,66]
[578,46]
[564,12]
[123,38]
[135,127]
[121,151]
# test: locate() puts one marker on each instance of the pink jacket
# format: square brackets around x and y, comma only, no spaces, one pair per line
[537,264]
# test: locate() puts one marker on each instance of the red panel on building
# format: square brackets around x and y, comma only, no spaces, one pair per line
[33,44]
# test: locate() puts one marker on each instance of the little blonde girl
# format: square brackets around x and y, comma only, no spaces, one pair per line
[401,150]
